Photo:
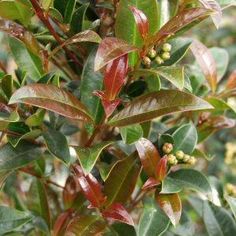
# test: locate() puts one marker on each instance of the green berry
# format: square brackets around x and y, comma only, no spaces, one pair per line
[192,160]
[167,148]
[159,60]
[146,61]
[186,158]
[166,47]
[180,155]
[165,56]
[172,159]
[152,53]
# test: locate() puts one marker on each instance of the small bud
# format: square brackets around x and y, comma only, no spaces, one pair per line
[172,159]
[165,56]
[167,148]
[152,53]
[186,158]
[192,160]
[147,61]
[179,155]
[166,47]
[159,60]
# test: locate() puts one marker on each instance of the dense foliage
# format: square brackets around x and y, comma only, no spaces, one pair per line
[109,117]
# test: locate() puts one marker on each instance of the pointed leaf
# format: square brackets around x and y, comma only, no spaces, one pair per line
[111,49]
[11,219]
[206,61]
[153,105]
[122,180]
[150,183]
[51,98]
[141,21]
[116,212]
[162,168]
[149,156]
[131,134]
[89,156]
[171,205]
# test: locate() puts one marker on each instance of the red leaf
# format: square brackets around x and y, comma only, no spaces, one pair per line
[149,156]
[110,49]
[162,168]
[90,187]
[206,61]
[150,183]
[231,82]
[141,21]
[117,212]
[171,205]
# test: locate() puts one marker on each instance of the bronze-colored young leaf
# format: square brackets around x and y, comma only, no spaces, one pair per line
[206,61]
[110,49]
[171,205]
[53,99]
[153,105]
[149,156]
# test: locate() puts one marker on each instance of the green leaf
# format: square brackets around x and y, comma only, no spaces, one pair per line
[170,186]
[57,144]
[36,119]
[16,10]
[179,47]
[13,158]
[51,98]
[131,134]
[153,105]
[90,82]
[127,29]
[121,182]
[232,203]
[89,156]
[38,202]
[174,75]
[11,219]
[188,178]
[153,220]
[25,59]
[185,138]
[70,7]
[227,2]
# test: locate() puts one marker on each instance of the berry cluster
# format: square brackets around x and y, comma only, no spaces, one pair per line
[179,157]
[231,190]
[159,57]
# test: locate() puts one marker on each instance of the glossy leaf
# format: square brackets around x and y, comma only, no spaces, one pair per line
[51,98]
[149,156]
[153,221]
[121,182]
[90,187]
[117,212]
[185,138]
[14,158]
[36,119]
[141,21]
[171,205]
[57,144]
[69,10]
[11,219]
[110,49]
[131,134]
[128,30]
[178,23]
[153,105]
[174,75]
[206,61]
[232,203]
[150,184]
[169,186]
[25,59]
[90,82]
[162,168]
[89,156]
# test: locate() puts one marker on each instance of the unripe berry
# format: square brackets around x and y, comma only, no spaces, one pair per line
[159,60]
[152,53]
[165,56]
[166,47]
[192,160]
[172,159]
[167,148]
[186,158]
[179,155]
[146,61]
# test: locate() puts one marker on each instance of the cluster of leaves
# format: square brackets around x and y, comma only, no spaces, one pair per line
[83,121]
